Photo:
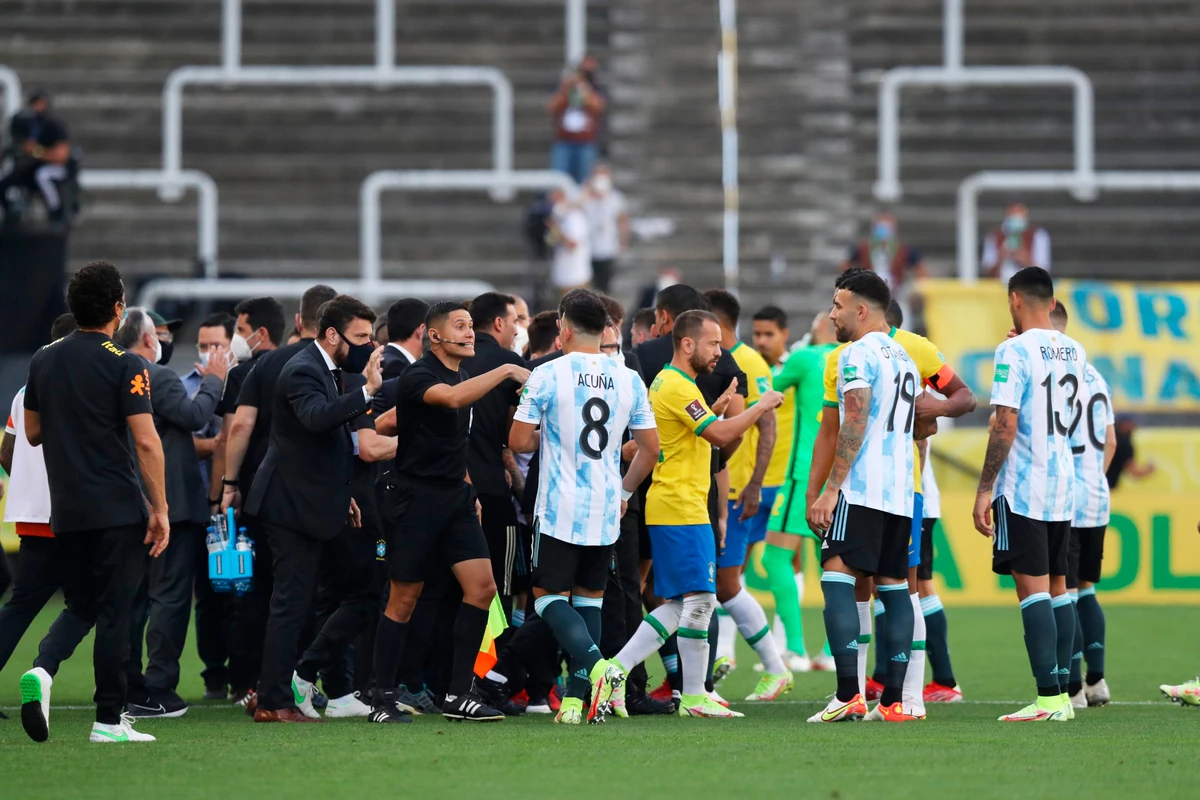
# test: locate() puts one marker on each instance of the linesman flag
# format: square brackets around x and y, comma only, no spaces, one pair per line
[496,625]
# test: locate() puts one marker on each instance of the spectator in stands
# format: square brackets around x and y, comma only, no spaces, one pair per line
[885,252]
[642,327]
[42,159]
[608,223]
[568,231]
[543,335]
[577,109]
[521,340]
[25,127]
[1016,244]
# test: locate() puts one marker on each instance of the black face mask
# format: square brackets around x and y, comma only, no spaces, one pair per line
[167,349]
[358,355]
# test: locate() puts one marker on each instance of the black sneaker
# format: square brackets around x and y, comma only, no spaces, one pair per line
[493,693]
[420,702]
[469,708]
[214,692]
[642,704]
[156,703]
[385,709]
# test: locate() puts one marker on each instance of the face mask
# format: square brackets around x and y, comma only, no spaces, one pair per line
[165,351]
[882,231]
[158,351]
[240,349]
[1014,225]
[602,184]
[615,355]
[521,341]
[204,359]
[358,355]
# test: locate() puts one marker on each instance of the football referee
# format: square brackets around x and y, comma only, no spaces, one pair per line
[84,398]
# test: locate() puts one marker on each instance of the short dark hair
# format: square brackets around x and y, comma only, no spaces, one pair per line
[263,312]
[438,312]
[615,311]
[867,285]
[894,314]
[92,293]
[643,319]
[1032,282]
[310,304]
[404,317]
[1059,312]
[220,320]
[772,314]
[689,324]
[724,305]
[585,311]
[341,311]
[679,298]
[543,330]
[62,326]
[487,307]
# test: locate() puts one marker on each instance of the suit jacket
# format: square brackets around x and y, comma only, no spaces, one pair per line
[393,362]
[304,482]
[177,416]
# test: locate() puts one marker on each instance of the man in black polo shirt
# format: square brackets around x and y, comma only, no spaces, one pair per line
[84,401]
[431,515]
[494,318]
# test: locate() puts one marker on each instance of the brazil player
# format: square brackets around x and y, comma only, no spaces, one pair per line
[677,518]
[958,399]
[865,510]
[800,378]
[1094,416]
[583,403]
[943,688]
[749,507]
[1025,501]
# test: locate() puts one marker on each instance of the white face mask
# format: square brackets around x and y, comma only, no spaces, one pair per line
[521,341]
[240,348]
[204,359]
[157,351]
[616,355]
[602,184]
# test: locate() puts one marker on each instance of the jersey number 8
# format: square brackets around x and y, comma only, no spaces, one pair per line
[595,415]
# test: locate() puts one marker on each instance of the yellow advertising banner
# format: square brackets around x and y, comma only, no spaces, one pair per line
[1143,338]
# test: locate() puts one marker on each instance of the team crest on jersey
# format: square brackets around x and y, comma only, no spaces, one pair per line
[712,571]
[380,549]
[849,372]
[1001,375]
[695,410]
[764,385]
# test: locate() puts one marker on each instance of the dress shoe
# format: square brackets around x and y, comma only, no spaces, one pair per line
[282,715]
[251,704]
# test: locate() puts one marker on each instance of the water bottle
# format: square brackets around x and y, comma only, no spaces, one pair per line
[212,541]
[243,541]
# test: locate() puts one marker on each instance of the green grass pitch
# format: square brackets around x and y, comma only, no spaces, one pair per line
[1141,746]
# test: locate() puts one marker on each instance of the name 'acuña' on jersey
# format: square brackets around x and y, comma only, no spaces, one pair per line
[881,476]
[1040,373]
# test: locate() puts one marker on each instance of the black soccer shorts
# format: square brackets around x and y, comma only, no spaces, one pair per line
[868,540]
[560,566]
[1027,546]
[1084,555]
[430,527]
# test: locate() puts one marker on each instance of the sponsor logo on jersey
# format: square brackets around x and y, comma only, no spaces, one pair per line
[695,410]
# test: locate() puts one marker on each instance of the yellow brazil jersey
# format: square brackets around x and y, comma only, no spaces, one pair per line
[679,490]
[931,364]
[758,380]
[785,432]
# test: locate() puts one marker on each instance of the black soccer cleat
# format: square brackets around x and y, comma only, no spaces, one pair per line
[469,708]
[388,712]
[162,703]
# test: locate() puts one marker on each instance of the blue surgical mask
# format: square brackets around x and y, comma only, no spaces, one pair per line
[882,230]
[1014,224]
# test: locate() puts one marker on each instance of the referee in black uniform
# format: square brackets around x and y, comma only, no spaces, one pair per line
[85,400]
[431,515]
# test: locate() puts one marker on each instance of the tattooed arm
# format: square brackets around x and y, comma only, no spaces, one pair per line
[1002,430]
[856,404]
[751,495]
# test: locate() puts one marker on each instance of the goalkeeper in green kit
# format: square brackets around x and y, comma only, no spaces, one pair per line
[799,375]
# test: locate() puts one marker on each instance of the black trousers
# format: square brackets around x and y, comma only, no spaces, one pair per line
[102,570]
[214,612]
[296,561]
[349,591]
[248,625]
[38,578]
[170,581]
[622,611]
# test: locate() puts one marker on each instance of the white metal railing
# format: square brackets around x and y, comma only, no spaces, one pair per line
[374,294]
[953,74]
[12,92]
[370,224]
[1117,181]
[206,201]
[727,89]
[575,31]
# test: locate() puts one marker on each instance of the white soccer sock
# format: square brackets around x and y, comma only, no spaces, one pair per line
[726,635]
[655,629]
[864,643]
[779,633]
[751,621]
[696,613]
[914,679]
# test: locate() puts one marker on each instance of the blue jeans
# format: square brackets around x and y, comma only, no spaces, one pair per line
[574,158]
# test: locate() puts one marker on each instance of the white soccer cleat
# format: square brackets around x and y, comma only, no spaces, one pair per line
[1097,694]
[302,696]
[120,733]
[823,663]
[796,662]
[1078,700]
[837,711]
[716,698]
[348,706]
[35,703]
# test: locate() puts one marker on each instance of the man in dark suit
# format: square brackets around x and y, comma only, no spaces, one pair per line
[406,329]
[302,492]
[168,592]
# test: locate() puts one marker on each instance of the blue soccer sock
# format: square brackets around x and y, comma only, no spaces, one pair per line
[895,639]
[1091,618]
[1064,623]
[1041,642]
[841,628]
[572,633]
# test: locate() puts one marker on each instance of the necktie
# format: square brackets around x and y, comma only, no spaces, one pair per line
[337,380]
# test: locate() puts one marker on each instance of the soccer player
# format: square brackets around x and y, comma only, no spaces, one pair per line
[1025,500]
[677,509]
[866,507]
[750,503]
[943,688]
[583,402]
[800,377]
[1094,415]
[935,374]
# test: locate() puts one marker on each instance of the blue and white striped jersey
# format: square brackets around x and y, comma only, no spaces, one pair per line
[1041,374]
[1094,413]
[881,476]
[583,402]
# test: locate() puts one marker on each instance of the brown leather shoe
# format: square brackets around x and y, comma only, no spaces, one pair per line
[282,715]
[251,704]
